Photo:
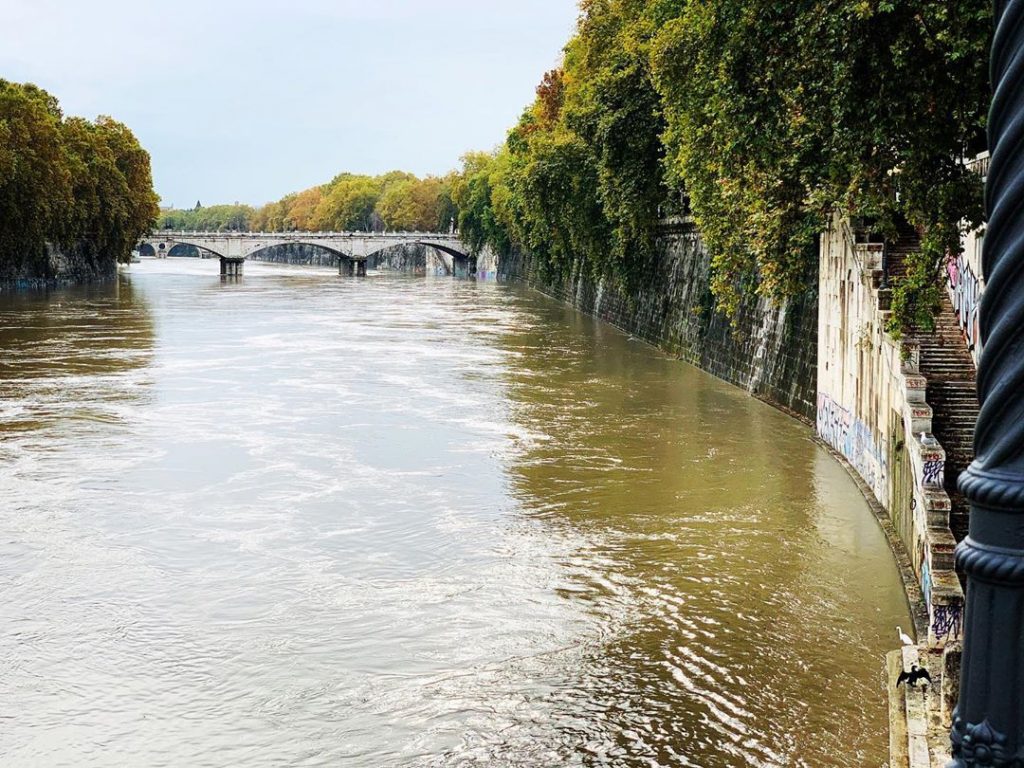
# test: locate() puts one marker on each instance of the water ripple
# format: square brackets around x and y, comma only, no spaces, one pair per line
[303,520]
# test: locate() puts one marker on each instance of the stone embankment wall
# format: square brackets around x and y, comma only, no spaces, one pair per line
[59,267]
[871,408]
[771,351]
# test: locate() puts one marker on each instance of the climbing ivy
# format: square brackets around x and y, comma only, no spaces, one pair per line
[767,117]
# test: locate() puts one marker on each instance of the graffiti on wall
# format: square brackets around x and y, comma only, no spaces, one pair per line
[934,474]
[946,621]
[965,290]
[854,440]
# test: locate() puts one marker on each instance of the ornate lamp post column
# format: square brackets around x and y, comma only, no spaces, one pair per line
[988,726]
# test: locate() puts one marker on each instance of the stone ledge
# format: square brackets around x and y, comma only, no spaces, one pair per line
[908,712]
[898,742]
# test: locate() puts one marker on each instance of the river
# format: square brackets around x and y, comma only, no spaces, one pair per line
[307,520]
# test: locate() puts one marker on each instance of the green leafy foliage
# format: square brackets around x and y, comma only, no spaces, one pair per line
[348,203]
[767,117]
[213,218]
[67,181]
[580,179]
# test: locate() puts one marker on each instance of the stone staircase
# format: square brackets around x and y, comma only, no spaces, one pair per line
[949,369]
[952,381]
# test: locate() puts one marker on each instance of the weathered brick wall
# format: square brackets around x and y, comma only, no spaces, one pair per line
[772,351]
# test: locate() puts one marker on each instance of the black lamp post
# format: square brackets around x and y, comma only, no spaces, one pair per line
[988,726]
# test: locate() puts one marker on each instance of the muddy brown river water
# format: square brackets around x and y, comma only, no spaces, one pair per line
[301,520]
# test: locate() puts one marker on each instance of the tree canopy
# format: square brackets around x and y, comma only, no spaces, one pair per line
[213,218]
[763,118]
[348,203]
[65,181]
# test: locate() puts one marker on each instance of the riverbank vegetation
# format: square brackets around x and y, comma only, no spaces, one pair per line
[394,201]
[761,119]
[67,181]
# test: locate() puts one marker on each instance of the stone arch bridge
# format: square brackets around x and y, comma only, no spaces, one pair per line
[352,249]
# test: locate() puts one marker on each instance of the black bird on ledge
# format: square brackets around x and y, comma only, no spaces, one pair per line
[913,676]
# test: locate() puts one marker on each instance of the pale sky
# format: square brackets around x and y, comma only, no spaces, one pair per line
[251,100]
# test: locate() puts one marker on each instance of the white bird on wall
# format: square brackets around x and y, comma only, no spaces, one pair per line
[904,638]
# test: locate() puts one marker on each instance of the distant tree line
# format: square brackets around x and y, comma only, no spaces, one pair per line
[394,201]
[213,218]
[67,181]
[761,119]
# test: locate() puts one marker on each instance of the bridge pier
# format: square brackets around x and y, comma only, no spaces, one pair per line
[231,266]
[352,267]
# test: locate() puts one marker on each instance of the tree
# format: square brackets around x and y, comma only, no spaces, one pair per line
[67,182]
[770,116]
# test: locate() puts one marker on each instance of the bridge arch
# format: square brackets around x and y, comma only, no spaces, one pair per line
[337,253]
[162,246]
[462,262]
[349,250]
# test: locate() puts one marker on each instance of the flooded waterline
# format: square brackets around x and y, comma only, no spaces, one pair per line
[307,520]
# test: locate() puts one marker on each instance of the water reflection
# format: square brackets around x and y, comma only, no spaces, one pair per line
[72,355]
